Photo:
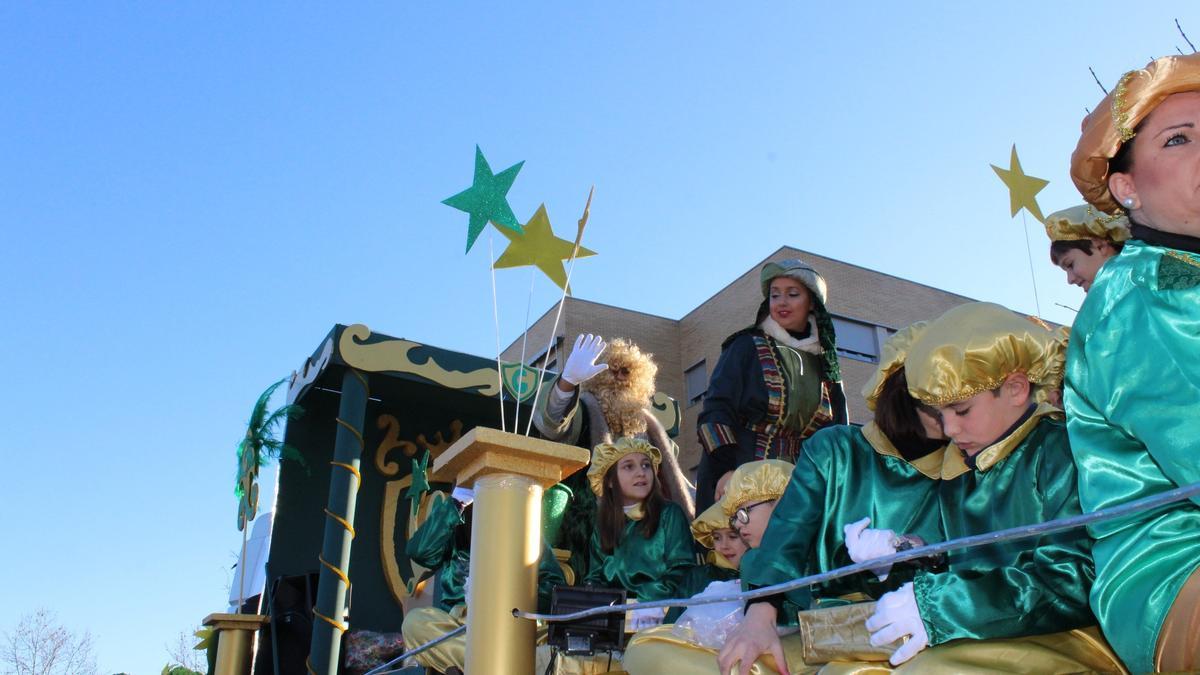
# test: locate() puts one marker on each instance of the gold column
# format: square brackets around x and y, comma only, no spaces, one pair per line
[235,636]
[509,473]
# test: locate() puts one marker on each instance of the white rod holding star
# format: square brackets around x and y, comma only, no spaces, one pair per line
[587,209]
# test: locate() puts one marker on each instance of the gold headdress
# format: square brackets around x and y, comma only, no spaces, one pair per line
[607,454]
[1113,121]
[891,359]
[974,347]
[710,521]
[759,481]
[1085,222]
[794,268]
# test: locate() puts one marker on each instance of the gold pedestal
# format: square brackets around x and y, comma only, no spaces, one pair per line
[509,473]
[235,637]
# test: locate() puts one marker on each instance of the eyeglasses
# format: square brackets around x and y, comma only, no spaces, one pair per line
[742,516]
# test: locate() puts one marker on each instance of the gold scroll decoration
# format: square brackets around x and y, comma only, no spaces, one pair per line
[393,356]
[393,494]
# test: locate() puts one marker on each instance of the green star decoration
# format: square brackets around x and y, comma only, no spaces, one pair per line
[1022,189]
[420,483]
[538,246]
[486,200]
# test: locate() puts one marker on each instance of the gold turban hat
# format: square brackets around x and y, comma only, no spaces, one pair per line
[974,347]
[607,454]
[891,359]
[710,521]
[1085,222]
[761,481]
[794,268]
[1114,120]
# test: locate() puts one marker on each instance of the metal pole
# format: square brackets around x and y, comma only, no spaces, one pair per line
[329,616]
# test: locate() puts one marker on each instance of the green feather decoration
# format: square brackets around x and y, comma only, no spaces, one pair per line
[259,445]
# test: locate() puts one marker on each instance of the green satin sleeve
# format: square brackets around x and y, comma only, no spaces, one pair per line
[648,568]
[840,477]
[1018,588]
[1133,407]
[549,576]
[432,545]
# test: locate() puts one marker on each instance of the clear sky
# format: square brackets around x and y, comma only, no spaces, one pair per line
[192,194]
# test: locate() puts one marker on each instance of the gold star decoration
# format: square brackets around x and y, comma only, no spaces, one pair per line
[1022,189]
[538,246]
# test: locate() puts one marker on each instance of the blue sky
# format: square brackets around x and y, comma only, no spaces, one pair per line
[192,194]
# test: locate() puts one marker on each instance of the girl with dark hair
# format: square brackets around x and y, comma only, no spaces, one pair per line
[642,542]
[777,382]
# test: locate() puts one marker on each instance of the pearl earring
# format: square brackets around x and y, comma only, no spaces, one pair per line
[1128,202]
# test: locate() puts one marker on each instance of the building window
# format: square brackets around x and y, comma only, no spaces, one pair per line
[859,340]
[696,379]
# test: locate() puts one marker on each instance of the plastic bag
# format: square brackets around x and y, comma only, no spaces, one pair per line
[709,625]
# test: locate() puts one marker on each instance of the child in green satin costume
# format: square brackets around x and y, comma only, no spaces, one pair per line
[442,544]
[642,542]
[1133,376]
[984,369]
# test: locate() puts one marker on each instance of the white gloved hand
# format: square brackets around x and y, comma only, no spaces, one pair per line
[897,616]
[581,365]
[641,619]
[463,496]
[864,543]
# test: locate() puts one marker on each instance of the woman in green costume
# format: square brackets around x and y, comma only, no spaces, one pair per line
[777,382]
[1133,376]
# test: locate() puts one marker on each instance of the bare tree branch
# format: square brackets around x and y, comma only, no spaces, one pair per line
[39,645]
[1097,81]
[1185,37]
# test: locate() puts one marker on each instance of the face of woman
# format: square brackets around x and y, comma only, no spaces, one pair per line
[635,478]
[759,514]
[790,303]
[1164,179]
[729,545]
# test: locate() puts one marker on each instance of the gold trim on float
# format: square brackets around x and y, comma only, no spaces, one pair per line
[392,356]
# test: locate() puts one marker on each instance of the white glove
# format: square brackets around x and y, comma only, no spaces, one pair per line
[896,616]
[463,496]
[581,365]
[864,543]
[641,619]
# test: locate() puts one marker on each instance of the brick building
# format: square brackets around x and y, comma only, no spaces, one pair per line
[867,307]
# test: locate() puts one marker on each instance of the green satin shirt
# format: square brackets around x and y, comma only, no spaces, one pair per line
[434,547]
[1015,588]
[1133,409]
[843,474]
[648,568]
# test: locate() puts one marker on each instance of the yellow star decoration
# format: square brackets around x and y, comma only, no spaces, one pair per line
[1022,189]
[538,246]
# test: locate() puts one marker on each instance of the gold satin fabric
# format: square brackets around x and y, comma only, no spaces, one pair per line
[598,664]
[1085,222]
[891,359]
[712,519]
[1077,651]
[760,481]
[1136,95]
[973,347]
[424,624]
[1179,638]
